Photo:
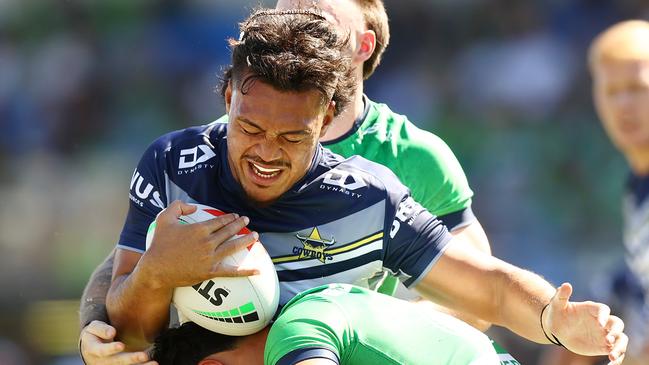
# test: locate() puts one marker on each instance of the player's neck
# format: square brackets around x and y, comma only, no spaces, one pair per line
[253,347]
[248,350]
[639,162]
[344,121]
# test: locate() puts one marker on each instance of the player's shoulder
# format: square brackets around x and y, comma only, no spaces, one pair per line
[184,150]
[189,137]
[357,172]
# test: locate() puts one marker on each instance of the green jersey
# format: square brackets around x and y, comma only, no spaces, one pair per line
[354,326]
[421,160]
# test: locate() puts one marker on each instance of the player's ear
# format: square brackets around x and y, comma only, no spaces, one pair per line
[227,96]
[366,45]
[328,118]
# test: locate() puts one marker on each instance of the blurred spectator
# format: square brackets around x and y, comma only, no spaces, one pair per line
[619,64]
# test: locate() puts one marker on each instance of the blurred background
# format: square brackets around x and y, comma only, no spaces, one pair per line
[86,85]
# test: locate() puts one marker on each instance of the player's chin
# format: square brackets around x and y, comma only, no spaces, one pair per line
[262,195]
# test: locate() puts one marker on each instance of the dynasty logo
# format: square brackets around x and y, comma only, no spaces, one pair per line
[314,246]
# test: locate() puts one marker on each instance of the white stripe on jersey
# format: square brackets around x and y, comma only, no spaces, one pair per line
[289,289]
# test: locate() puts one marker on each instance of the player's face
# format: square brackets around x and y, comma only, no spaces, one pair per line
[621,92]
[272,137]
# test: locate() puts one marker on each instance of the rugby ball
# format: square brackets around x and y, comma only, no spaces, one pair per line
[235,306]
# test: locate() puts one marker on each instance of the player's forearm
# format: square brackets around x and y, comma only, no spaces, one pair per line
[490,289]
[138,310]
[93,300]
[513,297]
[523,296]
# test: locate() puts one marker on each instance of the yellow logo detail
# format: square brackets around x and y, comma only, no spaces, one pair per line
[314,246]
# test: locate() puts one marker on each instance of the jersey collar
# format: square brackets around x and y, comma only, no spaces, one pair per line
[357,124]
[638,186]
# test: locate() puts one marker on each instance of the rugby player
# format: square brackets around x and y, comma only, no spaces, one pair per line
[289,77]
[619,64]
[364,128]
[337,324]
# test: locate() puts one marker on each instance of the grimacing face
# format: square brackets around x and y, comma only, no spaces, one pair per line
[272,136]
[621,93]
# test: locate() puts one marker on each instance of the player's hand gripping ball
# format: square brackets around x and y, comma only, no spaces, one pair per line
[235,306]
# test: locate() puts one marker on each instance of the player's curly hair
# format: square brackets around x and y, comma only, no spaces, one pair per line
[292,50]
[189,344]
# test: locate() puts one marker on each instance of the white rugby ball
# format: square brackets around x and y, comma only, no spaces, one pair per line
[235,306]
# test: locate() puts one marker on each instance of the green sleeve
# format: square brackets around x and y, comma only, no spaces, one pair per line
[433,173]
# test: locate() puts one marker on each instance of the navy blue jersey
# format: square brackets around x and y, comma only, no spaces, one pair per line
[347,221]
[626,289]
[636,227]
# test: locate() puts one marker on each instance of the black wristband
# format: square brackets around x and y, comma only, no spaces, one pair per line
[556,340]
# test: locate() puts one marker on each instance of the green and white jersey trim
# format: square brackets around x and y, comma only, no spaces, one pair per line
[503,355]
